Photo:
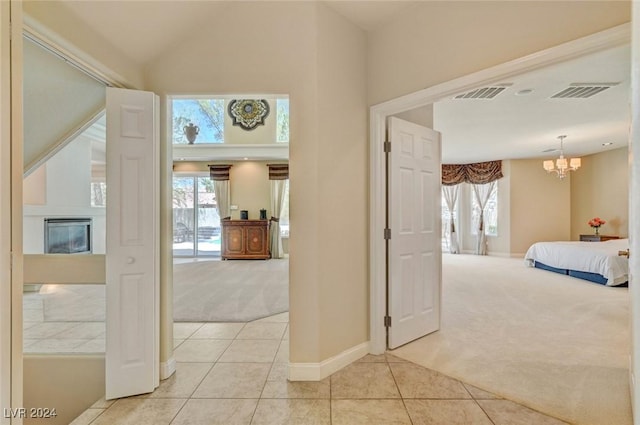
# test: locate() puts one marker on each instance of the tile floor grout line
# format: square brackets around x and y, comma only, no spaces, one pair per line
[201,380]
[398,388]
[484,411]
[330,399]
[94,419]
[179,410]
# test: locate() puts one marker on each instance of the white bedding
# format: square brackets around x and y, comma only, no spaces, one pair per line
[593,257]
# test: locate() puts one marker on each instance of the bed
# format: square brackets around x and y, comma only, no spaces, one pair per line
[597,262]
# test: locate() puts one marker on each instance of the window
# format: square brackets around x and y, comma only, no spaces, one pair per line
[98,194]
[196,223]
[490,214]
[206,114]
[282,117]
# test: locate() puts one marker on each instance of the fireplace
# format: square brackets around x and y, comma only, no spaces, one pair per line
[67,235]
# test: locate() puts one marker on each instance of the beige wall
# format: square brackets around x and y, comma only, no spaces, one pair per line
[250,189]
[449,39]
[249,181]
[545,208]
[601,189]
[341,164]
[35,187]
[301,49]
[68,29]
[70,384]
[540,205]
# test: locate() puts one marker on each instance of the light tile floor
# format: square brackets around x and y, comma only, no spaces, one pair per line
[236,374]
[64,319]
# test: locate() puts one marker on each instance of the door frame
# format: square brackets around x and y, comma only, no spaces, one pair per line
[11,282]
[613,37]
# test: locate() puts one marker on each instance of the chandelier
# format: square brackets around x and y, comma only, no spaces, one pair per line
[562,166]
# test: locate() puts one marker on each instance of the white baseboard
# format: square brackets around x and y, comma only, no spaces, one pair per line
[167,368]
[319,371]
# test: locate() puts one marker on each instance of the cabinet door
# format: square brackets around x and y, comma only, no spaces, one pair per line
[233,240]
[256,240]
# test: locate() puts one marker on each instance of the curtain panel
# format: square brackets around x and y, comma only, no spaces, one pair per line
[482,192]
[476,173]
[451,198]
[278,176]
[220,176]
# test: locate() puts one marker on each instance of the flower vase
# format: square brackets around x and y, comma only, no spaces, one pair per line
[191,132]
[597,230]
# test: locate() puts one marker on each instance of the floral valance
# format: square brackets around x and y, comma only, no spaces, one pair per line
[477,173]
[219,172]
[278,171]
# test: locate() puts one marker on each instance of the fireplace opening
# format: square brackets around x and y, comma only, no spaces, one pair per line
[67,235]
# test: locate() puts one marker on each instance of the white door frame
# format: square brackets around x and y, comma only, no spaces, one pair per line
[11,386]
[613,37]
[634,205]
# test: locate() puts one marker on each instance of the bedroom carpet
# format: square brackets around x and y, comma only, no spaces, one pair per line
[554,343]
[229,291]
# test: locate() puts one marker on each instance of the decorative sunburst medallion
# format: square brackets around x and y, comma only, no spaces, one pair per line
[248,113]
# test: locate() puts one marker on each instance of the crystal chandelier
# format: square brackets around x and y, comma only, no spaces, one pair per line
[562,166]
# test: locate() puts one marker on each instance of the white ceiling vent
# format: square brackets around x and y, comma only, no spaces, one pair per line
[582,90]
[483,92]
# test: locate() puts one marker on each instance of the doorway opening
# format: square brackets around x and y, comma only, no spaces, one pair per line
[223,175]
[609,39]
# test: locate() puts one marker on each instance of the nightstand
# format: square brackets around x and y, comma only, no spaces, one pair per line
[597,238]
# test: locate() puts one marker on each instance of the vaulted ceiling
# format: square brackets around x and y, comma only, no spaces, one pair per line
[517,123]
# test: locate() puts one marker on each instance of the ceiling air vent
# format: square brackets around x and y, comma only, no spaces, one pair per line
[582,90]
[482,93]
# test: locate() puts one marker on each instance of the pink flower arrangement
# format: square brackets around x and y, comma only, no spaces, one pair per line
[596,222]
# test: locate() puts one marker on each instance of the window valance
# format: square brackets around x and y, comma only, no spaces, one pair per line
[278,171]
[219,172]
[476,173]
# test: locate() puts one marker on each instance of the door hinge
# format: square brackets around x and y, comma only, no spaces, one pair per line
[387,234]
[387,146]
[387,321]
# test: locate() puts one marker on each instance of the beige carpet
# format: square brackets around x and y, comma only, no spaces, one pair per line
[554,343]
[229,291]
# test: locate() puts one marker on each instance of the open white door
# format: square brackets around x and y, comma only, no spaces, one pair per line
[132,262]
[414,251]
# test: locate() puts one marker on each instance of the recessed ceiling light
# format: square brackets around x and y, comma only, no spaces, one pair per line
[607,144]
[524,92]
[180,159]
[246,159]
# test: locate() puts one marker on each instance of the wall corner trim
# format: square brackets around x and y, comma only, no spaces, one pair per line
[167,368]
[319,371]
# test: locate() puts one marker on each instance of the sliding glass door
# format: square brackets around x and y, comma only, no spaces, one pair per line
[196,224]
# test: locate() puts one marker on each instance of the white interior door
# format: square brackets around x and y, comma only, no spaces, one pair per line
[132,261]
[414,256]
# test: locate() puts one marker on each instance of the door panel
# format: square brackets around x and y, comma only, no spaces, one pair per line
[132,260]
[414,218]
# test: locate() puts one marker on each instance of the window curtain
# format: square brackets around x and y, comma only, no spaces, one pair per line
[220,176]
[451,197]
[278,176]
[476,173]
[482,192]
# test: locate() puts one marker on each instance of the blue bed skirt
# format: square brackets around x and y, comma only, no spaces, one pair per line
[591,277]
